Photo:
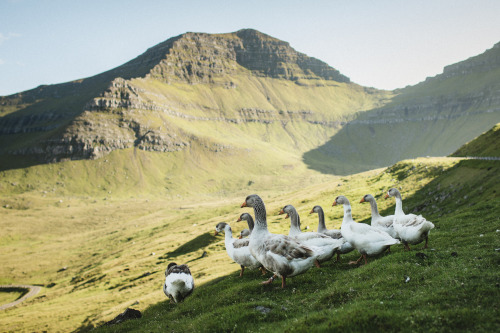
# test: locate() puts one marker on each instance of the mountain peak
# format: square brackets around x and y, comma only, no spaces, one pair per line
[199,57]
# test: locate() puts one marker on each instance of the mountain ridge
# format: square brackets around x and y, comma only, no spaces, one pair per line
[176,94]
[70,131]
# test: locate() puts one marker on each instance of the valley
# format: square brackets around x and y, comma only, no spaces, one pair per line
[107,179]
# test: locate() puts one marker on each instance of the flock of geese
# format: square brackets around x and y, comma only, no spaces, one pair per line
[293,254]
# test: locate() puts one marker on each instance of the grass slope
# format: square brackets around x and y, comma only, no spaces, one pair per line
[453,286]
[96,253]
[486,145]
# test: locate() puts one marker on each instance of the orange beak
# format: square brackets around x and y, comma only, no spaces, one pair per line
[386,196]
[240,237]
[244,204]
[334,203]
[239,219]
[362,200]
[281,212]
[216,233]
[312,211]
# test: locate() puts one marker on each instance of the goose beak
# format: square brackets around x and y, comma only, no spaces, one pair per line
[362,200]
[240,237]
[287,216]
[334,203]
[216,233]
[312,211]
[239,219]
[386,196]
[281,212]
[244,204]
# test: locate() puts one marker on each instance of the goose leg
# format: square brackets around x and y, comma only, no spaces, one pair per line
[338,257]
[407,247]
[366,260]
[271,279]
[426,241]
[316,262]
[355,262]
[283,282]
[242,269]
[263,270]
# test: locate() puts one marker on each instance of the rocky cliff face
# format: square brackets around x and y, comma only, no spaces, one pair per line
[490,60]
[198,58]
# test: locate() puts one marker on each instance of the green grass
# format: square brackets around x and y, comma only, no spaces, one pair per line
[8,295]
[116,247]
[452,287]
[486,145]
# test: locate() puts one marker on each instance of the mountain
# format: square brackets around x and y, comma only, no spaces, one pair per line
[247,96]
[434,118]
[195,89]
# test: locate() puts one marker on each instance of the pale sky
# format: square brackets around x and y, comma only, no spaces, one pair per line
[385,44]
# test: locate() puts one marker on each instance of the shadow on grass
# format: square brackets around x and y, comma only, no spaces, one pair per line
[193,245]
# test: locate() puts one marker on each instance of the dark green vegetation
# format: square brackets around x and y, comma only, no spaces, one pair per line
[486,145]
[452,286]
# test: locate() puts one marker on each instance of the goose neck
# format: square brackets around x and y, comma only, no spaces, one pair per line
[347,213]
[260,216]
[228,238]
[321,220]
[250,223]
[399,206]
[374,208]
[294,223]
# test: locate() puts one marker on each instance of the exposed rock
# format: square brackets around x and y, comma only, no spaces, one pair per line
[126,315]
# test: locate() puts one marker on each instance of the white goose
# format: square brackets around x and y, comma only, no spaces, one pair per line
[179,282]
[326,244]
[384,223]
[237,249]
[247,217]
[411,228]
[334,233]
[279,254]
[369,241]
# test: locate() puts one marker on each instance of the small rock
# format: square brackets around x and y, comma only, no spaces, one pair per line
[128,314]
[62,269]
[262,309]
[454,254]
[407,279]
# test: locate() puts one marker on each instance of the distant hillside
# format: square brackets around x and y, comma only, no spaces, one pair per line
[486,145]
[228,91]
[249,95]
[432,118]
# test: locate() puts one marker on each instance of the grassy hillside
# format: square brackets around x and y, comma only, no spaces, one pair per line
[486,145]
[453,286]
[115,249]
[432,118]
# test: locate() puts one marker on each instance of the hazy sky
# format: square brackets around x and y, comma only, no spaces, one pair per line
[385,44]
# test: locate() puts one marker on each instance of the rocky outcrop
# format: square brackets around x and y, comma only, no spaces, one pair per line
[199,58]
[479,64]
